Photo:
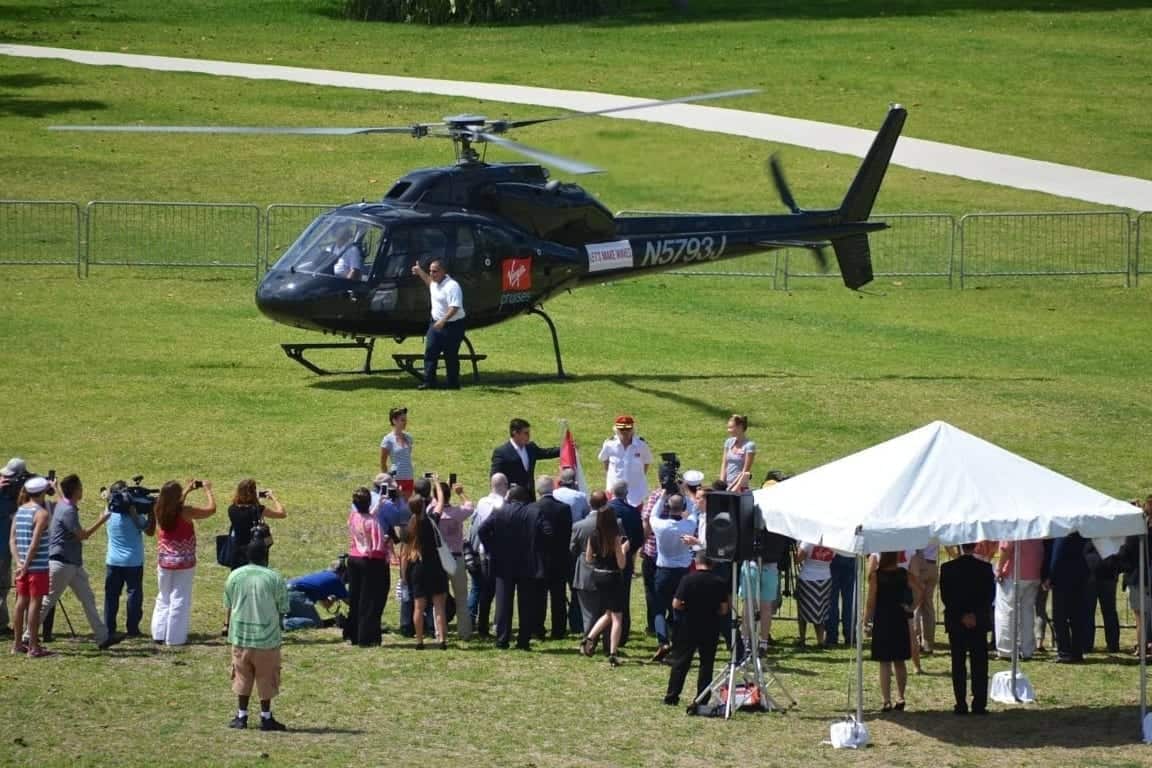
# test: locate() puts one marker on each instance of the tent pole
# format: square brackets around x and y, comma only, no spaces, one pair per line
[860,575]
[1141,636]
[1015,618]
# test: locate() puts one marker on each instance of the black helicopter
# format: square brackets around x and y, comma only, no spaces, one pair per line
[513,238]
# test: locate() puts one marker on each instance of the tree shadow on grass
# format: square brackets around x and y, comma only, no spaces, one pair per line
[1034,726]
[671,12]
[16,105]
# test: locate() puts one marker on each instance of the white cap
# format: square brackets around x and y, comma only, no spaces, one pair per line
[693,477]
[15,466]
[35,486]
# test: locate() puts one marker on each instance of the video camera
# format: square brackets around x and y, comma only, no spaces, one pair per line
[669,472]
[136,499]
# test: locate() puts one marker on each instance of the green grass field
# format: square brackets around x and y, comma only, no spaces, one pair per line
[177,375]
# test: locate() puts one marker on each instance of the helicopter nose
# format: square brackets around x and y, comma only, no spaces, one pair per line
[276,297]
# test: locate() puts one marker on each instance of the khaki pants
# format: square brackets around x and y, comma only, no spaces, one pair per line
[257,668]
[61,576]
[924,621]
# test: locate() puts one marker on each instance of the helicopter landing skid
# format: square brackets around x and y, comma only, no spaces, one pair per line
[296,352]
[555,340]
[408,363]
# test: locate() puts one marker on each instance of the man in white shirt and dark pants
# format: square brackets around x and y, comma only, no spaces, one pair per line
[446,331]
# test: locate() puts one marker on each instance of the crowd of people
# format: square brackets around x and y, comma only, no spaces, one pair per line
[560,558]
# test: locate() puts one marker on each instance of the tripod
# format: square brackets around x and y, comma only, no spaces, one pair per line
[744,658]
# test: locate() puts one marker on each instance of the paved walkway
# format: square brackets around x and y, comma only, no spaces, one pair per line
[975,164]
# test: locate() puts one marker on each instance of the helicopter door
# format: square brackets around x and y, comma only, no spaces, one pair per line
[505,265]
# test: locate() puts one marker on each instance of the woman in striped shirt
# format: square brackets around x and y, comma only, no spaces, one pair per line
[28,542]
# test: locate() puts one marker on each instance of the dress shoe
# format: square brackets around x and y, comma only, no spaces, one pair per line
[960,709]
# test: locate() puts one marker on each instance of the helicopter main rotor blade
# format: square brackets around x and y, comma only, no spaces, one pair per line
[558,161]
[645,105]
[412,130]
[776,169]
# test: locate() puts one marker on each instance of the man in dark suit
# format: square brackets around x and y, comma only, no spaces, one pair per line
[968,589]
[1066,574]
[513,536]
[516,459]
[556,516]
[583,589]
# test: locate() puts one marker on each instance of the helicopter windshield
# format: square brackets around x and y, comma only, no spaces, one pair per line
[335,245]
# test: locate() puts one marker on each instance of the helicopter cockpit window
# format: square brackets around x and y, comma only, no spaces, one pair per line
[334,245]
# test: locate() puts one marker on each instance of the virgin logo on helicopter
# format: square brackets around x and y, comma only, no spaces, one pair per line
[517,275]
[513,238]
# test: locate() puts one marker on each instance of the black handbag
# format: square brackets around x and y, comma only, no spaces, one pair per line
[224,546]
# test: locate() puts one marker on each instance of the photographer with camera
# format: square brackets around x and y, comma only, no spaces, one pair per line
[326,588]
[369,550]
[246,519]
[66,557]
[124,564]
[176,558]
[12,478]
[450,519]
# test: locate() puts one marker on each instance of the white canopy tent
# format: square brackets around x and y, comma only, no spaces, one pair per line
[938,485]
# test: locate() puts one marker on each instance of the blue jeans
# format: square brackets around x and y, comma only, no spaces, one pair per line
[116,577]
[841,612]
[666,582]
[480,595]
[446,341]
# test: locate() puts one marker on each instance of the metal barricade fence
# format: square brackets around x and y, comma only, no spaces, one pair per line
[146,234]
[1045,244]
[284,222]
[36,232]
[916,245]
[1142,259]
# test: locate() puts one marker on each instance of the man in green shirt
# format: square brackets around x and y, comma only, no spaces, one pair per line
[255,597]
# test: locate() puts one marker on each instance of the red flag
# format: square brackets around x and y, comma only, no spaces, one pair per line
[570,457]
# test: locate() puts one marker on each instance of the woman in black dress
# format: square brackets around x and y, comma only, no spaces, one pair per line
[892,591]
[607,553]
[426,579]
[244,513]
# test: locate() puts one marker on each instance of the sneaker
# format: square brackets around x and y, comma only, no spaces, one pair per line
[19,649]
[39,652]
[271,724]
[239,723]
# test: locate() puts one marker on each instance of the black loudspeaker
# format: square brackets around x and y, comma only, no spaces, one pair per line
[733,521]
[723,529]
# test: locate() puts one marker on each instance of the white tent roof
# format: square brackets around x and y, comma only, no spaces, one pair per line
[938,484]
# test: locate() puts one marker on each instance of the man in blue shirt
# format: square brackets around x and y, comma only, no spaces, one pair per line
[324,587]
[127,526]
[673,557]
